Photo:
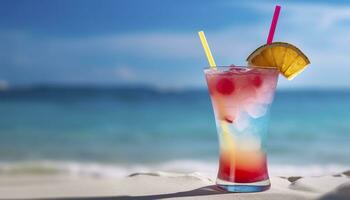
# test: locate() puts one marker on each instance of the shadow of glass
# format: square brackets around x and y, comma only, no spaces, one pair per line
[203,191]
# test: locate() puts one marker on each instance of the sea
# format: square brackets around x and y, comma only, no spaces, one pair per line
[115,131]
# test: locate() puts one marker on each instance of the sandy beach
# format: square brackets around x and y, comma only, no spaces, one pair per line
[163,185]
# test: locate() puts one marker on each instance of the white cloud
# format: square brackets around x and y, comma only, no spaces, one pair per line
[321,15]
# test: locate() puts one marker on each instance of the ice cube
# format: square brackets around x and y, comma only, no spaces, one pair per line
[255,110]
[242,121]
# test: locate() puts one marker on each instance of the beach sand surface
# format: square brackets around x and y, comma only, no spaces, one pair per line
[163,185]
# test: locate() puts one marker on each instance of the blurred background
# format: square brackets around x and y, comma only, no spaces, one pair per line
[113,87]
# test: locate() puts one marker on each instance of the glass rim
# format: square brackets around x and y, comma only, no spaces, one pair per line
[241,67]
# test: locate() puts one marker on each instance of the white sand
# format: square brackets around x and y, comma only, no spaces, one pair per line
[161,185]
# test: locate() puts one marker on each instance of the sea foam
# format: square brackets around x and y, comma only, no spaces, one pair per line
[90,169]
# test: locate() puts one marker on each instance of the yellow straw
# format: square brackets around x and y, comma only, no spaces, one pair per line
[227,138]
[207,50]
[226,132]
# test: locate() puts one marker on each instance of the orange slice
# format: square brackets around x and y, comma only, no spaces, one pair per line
[285,57]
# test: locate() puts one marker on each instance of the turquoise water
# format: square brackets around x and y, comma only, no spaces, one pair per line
[130,126]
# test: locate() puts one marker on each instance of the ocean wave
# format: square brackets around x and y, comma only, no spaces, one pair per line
[81,169]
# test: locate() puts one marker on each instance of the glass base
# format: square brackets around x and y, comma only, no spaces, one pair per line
[243,187]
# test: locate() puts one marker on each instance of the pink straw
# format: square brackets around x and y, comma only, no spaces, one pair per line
[273,24]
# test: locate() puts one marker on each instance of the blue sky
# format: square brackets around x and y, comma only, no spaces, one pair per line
[155,42]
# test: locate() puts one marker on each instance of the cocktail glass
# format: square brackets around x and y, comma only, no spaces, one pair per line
[241,97]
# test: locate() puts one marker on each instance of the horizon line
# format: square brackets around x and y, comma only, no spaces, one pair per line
[146,86]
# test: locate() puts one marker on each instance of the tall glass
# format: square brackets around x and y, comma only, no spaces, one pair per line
[241,97]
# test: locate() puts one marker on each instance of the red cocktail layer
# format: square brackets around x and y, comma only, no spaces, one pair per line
[242,167]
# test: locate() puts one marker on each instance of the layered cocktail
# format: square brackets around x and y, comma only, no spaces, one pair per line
[241,97]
